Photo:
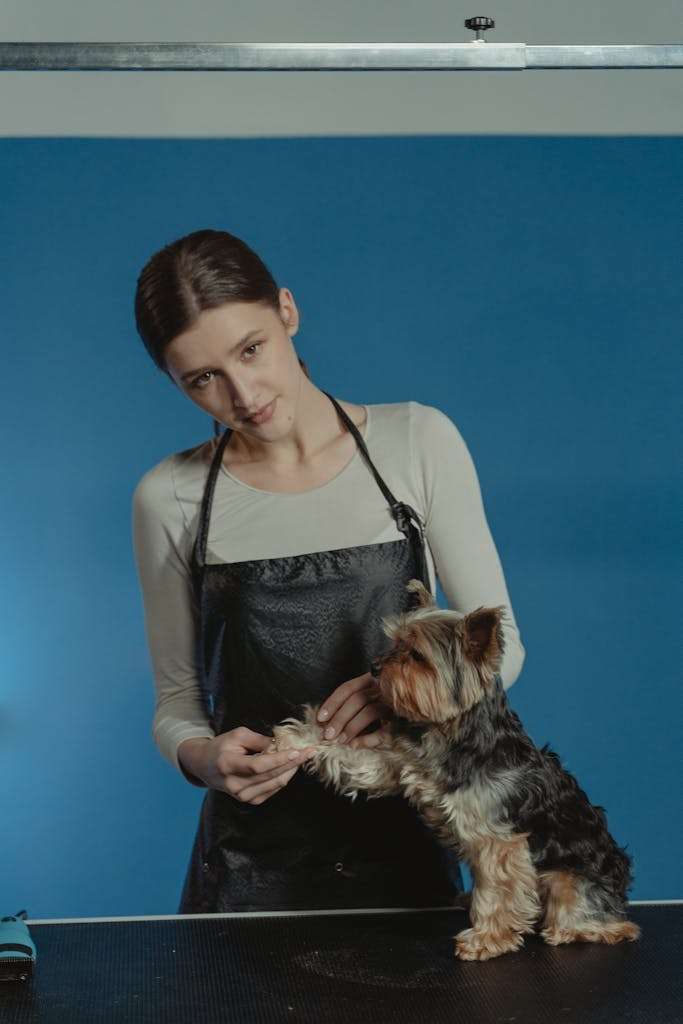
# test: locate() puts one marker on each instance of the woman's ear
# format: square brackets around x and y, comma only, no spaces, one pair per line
[289,314]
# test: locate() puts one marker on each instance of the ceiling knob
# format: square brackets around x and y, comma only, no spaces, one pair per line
[479,25]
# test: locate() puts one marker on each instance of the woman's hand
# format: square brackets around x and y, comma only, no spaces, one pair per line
[237,763]
[350,709]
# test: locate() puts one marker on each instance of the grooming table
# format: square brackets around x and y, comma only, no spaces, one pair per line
[324,967]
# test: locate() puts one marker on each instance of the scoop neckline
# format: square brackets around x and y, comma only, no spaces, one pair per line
[364,433]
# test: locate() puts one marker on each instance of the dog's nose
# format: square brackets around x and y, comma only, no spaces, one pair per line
[375,667]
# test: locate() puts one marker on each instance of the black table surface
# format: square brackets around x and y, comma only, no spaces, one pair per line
[328,967]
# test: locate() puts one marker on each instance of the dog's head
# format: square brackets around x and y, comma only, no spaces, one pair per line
[442,662]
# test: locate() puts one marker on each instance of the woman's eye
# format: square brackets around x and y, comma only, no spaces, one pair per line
[256,344]
[200,381]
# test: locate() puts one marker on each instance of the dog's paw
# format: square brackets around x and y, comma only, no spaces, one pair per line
[293,734]
[471,944]
[609,932]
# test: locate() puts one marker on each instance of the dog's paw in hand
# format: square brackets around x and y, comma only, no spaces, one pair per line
[294,734]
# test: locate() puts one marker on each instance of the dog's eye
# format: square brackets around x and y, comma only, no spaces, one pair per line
[414,653]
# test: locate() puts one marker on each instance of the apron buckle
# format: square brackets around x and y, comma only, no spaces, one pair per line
[403,513]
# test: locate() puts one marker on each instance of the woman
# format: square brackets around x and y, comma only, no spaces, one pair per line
[267,558]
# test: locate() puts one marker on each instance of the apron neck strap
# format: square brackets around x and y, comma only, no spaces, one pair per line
[199,547]
[401,511]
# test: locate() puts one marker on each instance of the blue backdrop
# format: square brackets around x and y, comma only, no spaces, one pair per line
[528,287]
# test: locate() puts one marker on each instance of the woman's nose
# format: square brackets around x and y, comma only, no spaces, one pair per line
[242,395]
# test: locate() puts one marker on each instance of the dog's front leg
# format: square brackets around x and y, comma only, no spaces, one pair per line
[349,771]
[505,902]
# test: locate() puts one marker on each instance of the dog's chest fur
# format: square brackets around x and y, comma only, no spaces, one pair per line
[452,787]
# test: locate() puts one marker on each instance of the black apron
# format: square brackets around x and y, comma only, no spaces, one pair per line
[273,634]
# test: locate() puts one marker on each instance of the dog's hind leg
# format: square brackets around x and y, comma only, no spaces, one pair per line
[576,910]
[505,904]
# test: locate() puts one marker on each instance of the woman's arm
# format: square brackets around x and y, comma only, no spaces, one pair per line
[237,762]
[164,576]
[465,556]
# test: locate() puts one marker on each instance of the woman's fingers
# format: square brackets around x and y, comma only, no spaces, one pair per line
[359,722]
[359,711]
[251,742]
[257,794]
[246,764]
[338,697]
[265,766]
[269,765]
[369,740]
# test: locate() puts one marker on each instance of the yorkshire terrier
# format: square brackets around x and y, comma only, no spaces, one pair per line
[539,852]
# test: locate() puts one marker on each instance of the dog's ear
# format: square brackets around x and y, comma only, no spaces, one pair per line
[421,596]
[482,636]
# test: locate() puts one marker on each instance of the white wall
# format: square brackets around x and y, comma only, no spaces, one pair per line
[643,102]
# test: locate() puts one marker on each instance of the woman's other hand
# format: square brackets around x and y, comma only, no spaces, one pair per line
[240,763]
[350,710]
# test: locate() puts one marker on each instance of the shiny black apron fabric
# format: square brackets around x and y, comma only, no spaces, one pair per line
[276,633]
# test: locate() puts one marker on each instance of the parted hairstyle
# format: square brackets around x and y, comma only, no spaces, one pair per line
[199,271]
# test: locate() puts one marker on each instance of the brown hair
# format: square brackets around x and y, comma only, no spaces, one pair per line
[200,271]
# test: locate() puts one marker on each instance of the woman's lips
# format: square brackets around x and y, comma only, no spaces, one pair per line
[264,415]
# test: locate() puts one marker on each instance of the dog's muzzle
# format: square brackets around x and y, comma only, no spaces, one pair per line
[375,667]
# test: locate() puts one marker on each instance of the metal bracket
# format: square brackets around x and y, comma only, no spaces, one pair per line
[470,56]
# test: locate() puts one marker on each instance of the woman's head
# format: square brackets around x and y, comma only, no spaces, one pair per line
[201,289]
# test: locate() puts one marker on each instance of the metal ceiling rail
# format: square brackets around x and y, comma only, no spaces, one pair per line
[476,55]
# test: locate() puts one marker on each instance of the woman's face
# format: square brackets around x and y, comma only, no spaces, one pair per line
[238,358]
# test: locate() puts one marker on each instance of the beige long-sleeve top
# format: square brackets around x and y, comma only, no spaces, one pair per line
[422,458]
